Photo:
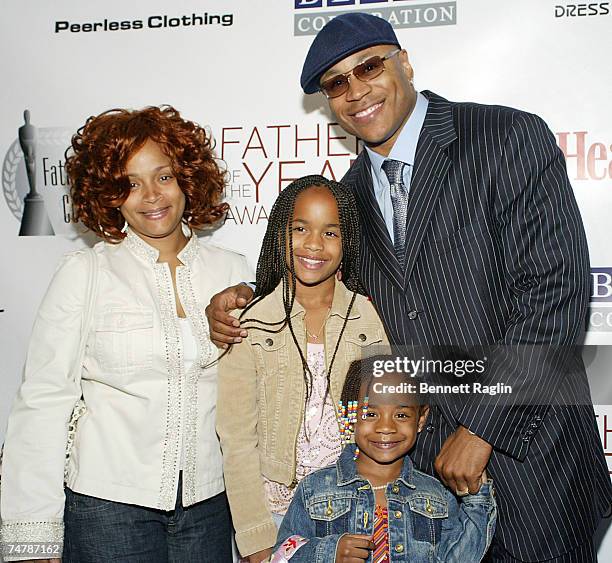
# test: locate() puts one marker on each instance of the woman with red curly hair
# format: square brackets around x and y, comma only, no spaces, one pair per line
[143,479]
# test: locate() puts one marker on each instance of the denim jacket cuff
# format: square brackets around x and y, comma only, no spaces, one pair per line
[486,495]
[326,550]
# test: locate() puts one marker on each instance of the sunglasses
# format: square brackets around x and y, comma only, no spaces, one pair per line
[366,71]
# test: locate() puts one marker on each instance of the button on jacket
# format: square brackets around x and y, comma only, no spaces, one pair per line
[426,523]
[141,405]
[262,396]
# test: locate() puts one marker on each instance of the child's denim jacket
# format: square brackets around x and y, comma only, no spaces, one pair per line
[426,522]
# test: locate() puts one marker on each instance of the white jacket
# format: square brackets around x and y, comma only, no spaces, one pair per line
[140,404]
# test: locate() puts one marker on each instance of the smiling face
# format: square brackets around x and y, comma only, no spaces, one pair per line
[392,422]
[317,241]
[154,209]
[375,111]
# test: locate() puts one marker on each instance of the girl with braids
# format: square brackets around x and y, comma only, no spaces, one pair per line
[278,387]
[373,502]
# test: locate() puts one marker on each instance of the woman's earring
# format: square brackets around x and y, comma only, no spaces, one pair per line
[125,227]
[339,272]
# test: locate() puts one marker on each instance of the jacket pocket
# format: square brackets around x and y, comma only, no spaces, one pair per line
[365,336]
[328,508]
[460,237]
[83,505]
[363,341]
[330,514]
[427,514]
[268,342]
[124,340]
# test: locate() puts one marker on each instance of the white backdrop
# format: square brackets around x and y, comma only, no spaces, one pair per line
[234,66]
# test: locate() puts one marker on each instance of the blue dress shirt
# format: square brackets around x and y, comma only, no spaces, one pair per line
[403,150]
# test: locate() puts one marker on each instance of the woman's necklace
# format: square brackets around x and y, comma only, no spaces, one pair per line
[317,335]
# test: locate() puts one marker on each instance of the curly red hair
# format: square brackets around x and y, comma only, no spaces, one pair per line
[101,148]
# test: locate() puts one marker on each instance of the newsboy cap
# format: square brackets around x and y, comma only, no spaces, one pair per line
[344,35]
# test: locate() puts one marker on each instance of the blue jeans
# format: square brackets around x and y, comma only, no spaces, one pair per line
[99,531]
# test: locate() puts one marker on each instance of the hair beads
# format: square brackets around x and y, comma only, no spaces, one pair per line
[347,418]
[364,408]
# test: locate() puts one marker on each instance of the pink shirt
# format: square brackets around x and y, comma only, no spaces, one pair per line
[318,443]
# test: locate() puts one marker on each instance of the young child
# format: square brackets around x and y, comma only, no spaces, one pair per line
[373,502]
[276,414]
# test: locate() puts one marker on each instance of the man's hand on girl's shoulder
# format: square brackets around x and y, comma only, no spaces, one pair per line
[225,329]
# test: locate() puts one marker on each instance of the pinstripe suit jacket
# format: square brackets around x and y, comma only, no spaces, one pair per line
[495,253]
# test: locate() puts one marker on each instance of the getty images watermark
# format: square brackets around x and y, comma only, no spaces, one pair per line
[442,367]
[496,374]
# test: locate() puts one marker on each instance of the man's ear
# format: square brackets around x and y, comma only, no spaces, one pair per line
[405,64]
[423,413]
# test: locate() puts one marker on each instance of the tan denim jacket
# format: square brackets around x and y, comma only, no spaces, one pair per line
[261,401]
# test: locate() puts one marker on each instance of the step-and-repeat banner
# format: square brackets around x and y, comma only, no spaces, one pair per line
[234,66]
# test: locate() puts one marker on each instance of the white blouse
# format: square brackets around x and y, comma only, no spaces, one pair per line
[190,344]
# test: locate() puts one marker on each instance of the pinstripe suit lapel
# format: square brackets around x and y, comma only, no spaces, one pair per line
[431,166]
[372,222]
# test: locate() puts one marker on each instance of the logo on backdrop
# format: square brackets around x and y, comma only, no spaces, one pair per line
[34,180]
[311,15]
[600,312]
[586,159]
[157,21]
[582,10]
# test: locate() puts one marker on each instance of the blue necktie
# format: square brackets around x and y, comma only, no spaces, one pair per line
[394,169]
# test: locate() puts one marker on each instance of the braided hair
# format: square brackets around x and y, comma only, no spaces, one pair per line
[272,267]
[359,373]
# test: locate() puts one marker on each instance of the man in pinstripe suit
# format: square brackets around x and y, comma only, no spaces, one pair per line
[472,236]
